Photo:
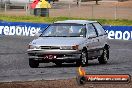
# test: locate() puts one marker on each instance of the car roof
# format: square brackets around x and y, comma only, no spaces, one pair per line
[76,21]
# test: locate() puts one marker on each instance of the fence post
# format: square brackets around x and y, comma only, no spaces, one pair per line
[26,8]
[92,11]
[115,15]
[5,7]
[80,2]
[0,4]
[69,10]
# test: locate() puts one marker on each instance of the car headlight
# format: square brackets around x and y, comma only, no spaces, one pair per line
[69,47]
[75,47]
[33,47]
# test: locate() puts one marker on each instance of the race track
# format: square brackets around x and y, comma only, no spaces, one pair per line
[14,62]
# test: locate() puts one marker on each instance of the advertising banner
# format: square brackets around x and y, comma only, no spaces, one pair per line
[30,29]
[119,32]
[21,28]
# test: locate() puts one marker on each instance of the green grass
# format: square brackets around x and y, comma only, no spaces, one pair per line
[53,19]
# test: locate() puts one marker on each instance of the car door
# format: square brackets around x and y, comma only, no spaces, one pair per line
[102,35]
[92,41]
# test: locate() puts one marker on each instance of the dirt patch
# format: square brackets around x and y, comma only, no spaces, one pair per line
[71,83]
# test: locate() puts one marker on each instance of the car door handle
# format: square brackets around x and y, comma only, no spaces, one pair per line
[98,40]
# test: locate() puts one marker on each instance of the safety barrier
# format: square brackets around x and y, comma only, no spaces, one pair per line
[30,29]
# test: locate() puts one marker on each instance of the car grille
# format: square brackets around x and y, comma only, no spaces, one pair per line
[50,47]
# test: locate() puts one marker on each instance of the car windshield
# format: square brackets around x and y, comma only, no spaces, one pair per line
[65,30]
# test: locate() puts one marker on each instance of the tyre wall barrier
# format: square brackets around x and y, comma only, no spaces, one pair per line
[30,29]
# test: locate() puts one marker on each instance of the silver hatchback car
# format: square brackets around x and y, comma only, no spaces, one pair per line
[70,41]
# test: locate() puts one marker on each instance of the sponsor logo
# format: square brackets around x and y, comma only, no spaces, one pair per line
[124,35]
[19,30]
[83,78]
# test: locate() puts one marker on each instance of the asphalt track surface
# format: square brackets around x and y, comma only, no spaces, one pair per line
[14,62]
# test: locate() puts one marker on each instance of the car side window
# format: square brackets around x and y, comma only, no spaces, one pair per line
[99,28]
[91,31]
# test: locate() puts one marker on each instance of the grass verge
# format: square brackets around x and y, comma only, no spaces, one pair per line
[34,19]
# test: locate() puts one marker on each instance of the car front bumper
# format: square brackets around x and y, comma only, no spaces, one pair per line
[54,55]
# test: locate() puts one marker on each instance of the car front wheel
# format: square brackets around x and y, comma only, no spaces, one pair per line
[33,63]
[83,59]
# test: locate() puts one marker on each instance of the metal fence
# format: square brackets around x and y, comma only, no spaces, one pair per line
[14,9]
[108,10]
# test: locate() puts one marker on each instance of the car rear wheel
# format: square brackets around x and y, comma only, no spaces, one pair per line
[104,57]
[33,63]
[83,59]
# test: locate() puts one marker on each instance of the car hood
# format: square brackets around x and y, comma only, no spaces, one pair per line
[58,41]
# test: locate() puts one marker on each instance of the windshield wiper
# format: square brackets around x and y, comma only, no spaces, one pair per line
[47,36]
[50,36]
[61,36]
